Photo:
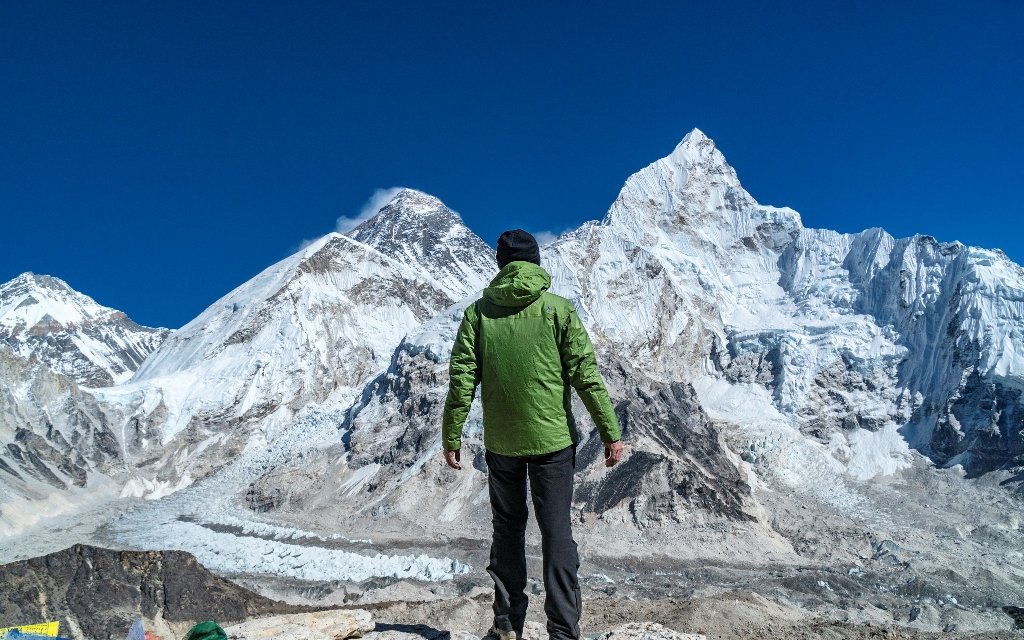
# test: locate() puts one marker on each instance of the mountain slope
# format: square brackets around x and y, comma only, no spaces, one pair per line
[316,325]
[44,318]
[957,314]
[60,449]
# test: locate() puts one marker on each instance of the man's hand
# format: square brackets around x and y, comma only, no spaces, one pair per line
[453,458]
[612,453]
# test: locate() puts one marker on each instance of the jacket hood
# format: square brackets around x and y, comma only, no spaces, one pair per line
[517,284]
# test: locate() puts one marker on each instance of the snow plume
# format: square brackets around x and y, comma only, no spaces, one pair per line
[302,245]
[546,237]
[344,224]
[376,202]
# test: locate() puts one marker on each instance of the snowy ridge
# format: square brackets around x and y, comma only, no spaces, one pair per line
[42,317]
[333,311]
[955,316]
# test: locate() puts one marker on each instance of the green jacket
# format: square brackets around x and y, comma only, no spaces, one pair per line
[526,348]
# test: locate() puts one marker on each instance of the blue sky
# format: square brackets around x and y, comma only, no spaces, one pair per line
[157,154]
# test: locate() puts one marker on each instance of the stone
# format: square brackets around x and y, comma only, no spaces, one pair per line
[337,624]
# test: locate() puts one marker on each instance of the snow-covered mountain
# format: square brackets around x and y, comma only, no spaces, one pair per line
[959,312]
[42,317]
[779,387]
[314,326]
[841,350]
[687,280]
[61,449]
[844,331]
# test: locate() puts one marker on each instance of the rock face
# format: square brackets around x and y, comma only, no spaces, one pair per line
[96,593]
[41,317]
[35,448]
[678,462]
[59,447]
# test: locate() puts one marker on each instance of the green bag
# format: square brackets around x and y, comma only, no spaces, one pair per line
[208,630]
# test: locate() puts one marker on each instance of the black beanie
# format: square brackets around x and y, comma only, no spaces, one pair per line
[517,245]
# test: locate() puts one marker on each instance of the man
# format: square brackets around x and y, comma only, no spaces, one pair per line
[527,347]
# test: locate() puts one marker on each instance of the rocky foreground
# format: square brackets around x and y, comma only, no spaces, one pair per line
[358,623]
[96,593]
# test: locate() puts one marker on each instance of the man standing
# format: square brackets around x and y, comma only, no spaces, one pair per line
[526,347]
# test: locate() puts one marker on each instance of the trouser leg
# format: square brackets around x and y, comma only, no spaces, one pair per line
[551,480]
[506,477]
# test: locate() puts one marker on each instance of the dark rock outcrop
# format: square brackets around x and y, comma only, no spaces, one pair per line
[95,592]
[678,464]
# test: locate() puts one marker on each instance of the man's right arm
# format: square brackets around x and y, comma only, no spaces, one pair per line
[463,376]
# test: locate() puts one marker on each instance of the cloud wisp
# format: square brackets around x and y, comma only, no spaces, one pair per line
[344,224]
[380,197]
[547,237]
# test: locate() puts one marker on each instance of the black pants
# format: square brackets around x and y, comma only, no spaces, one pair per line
[551,479]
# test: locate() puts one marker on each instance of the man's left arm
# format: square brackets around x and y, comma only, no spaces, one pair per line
[580,363]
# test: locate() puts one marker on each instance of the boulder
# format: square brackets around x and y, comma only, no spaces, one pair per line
[337,624]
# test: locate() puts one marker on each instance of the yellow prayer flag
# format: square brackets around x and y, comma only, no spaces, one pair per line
[48,629]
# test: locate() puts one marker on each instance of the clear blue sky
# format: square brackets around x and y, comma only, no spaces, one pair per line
[157,154]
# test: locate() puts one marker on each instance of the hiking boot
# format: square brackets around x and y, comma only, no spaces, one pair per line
[502,630]
[501,634]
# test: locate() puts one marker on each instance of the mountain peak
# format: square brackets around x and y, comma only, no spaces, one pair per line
[695,136]
[408,208]
[414,200]
[33,281]
[48,295]
[69,331]
[681,179]
[417,229]
[694,189]
[696,149]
